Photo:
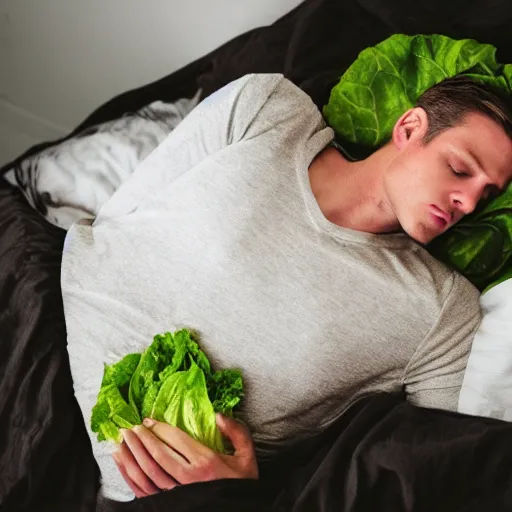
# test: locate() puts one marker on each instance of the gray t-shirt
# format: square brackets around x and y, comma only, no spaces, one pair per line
[218,230]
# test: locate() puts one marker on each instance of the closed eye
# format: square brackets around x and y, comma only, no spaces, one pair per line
[460,173]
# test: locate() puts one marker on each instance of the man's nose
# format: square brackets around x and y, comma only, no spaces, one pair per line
[465,202]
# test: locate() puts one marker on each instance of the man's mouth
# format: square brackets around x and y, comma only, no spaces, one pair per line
[440,217]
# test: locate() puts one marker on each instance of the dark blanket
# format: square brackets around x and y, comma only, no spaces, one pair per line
[45,457]
[45,454]
[383,454]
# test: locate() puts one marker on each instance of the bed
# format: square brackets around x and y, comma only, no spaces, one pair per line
[383,454]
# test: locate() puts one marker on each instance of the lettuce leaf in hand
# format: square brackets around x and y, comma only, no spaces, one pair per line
[171,381]
[183,402]
[156,358]
[112,409]
[225,389]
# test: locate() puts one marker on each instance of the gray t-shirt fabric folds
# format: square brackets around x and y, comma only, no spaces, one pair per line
[218,230]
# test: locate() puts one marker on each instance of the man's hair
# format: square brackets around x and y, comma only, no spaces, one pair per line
[449,101]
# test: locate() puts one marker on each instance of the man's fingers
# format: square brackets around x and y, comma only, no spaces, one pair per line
[167,458]
[241,439]
[147,463]
[134,472]
[139,493]
[177,439]
[238,434]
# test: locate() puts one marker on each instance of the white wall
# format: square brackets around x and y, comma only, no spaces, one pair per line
[60,59]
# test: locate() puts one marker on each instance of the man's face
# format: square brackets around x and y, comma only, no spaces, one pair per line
[432,186]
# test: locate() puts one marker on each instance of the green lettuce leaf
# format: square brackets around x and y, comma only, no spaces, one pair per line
[156,357]
[225,390]
[476,251]
[111,413]
[121,372]
[183,402]
[112,410]
[388,78]
[170,381]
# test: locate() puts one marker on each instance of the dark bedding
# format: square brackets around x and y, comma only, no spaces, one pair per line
[382,455]
[44,448]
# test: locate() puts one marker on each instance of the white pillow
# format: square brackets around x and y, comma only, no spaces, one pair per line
[73,179]
[487,385]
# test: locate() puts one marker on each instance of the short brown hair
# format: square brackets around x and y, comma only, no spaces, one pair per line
[449,101]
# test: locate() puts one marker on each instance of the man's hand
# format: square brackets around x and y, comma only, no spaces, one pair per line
[158,457]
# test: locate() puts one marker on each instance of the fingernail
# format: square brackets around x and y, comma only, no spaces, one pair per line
[148,422]
[115,456]
[220,419]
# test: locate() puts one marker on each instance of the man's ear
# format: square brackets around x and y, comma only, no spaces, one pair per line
[412,126]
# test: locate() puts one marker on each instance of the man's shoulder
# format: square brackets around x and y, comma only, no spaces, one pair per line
[264,86]
[279,109]
[275,87]
[435,280]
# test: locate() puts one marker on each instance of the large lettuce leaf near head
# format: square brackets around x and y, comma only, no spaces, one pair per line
[388,78]
[380,86]
[170,381]
[480,245]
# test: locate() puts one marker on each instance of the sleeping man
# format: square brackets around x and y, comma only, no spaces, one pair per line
[301,268]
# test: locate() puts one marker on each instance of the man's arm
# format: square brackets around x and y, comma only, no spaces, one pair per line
[433,378]
[218,121]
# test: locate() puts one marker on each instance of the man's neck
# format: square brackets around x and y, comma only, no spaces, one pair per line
[352,194]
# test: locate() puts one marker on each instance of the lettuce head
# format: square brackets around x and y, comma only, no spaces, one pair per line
[171,381]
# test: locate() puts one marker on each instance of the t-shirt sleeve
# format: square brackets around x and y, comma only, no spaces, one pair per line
[221,119]
[434,375]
